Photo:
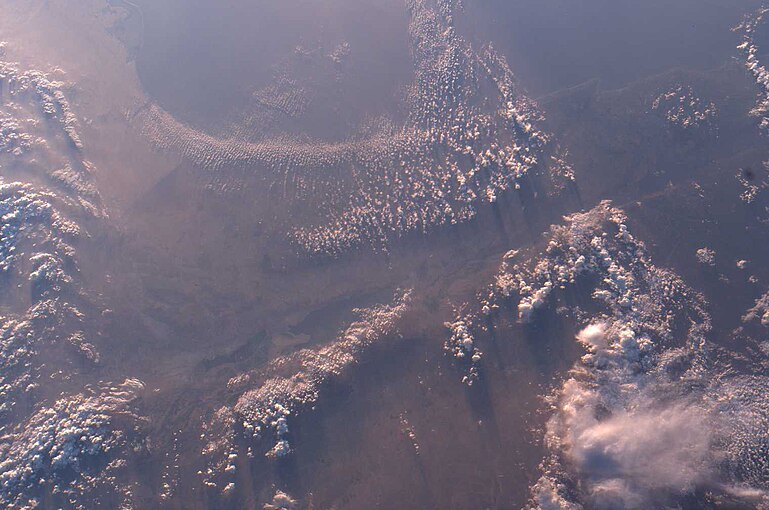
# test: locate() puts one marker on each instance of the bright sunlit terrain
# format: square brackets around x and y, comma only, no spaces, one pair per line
[384,254]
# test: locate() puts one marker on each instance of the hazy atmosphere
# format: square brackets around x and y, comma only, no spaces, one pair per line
[384,254]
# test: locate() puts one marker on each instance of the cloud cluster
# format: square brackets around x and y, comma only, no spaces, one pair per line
[67,449]
[56,448]
[682,108]
[461,345]
[646,418]
[471,134]
[48,93]
[291,385]
[750,50]
[38,127]
[630,447]
[36,252]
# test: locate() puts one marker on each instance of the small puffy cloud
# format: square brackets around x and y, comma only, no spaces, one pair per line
[706,256]
[281,501]
[593,335]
